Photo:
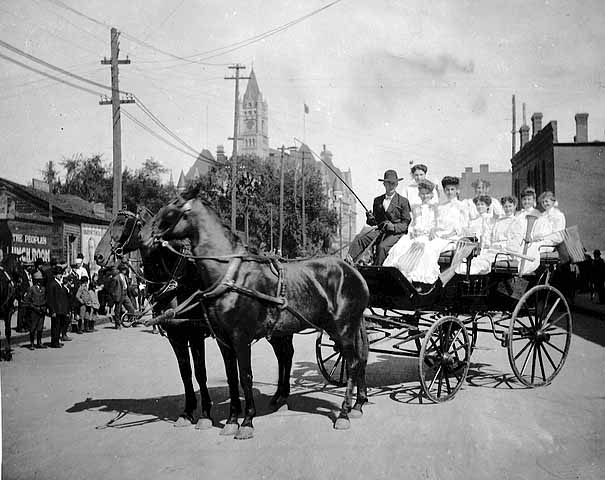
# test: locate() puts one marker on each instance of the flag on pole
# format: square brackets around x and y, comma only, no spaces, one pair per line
[306,108]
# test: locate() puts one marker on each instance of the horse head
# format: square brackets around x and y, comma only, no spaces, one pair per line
[122,236]
[195,220]
[13,266]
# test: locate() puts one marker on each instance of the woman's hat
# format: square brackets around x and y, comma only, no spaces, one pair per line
[390,176]
[37,275]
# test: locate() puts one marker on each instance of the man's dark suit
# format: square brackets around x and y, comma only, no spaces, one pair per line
[392,224]
[57,299]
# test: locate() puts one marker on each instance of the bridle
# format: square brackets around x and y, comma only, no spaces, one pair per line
[117,248]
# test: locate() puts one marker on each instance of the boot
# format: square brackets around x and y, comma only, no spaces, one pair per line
[92,326]
[39,342]
[79,326]
[31,340]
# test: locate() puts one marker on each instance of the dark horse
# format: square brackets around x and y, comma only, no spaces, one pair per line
[247,297]
[171,278]
[13,284]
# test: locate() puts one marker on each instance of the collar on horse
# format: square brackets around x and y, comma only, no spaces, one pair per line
[227,284]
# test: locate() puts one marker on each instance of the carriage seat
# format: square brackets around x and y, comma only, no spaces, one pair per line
[504,264]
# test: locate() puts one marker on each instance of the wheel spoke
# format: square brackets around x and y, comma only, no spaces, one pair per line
[447,384]
[522,324]
[456,337]
[522,350]
[533,365]
[335,366]
[436,347]
[556,334]
[435,377]
[546,299]
[554,322]
[343,364]
[440,383]
[555,347]
[539,348]
[552,310]
[526,358]
[447,337]
[521,337]
[330,357]
[549,358]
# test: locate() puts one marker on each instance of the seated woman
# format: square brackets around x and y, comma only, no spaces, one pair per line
[421,228]
[528,204]
[481,227]
[545,230]
[439,230]
[506,236]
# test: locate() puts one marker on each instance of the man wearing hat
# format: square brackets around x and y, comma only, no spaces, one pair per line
[57,299]
[390,214]
[35,302]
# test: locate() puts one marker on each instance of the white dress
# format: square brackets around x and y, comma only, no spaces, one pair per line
[421,262]
[506,234]
[411,193]
[423,223]
[495,210]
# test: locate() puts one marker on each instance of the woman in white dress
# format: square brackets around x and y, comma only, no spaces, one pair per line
[441,227]
[482,226]
[420,230]
[506,236]
[494,208]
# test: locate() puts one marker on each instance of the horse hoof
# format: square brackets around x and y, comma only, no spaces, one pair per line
[355,413]
[230,429]
[182,422]
[342,424]
[203,424]
[244,433]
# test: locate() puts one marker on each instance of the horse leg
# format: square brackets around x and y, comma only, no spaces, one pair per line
[235,407]
[359,372]
[244,363]
[181,350]
[284,351]
[342,422]
[197,344]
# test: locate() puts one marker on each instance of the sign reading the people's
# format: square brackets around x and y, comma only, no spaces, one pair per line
[32,246]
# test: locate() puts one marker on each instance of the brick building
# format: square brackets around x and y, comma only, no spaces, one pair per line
[575,172]
[500,182]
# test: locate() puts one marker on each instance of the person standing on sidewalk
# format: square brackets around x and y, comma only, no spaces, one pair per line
[85,302]
[58,307]
[34,301]
[598,269]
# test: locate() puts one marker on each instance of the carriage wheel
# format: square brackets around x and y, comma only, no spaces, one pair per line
[539,335]
[330,361]
[127,319]
[444,359]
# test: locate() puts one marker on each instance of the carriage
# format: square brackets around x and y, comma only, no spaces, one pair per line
[439,325]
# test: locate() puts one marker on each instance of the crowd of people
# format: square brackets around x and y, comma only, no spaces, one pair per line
[73,299]
[414,228]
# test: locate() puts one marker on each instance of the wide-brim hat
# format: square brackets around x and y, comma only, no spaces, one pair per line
[390,176]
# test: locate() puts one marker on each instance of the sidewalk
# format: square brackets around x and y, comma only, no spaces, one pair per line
[583,304]
[23,337]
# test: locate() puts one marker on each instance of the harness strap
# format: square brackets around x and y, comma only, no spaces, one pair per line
[11,287]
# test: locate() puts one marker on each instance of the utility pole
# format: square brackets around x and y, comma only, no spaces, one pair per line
[281,200]
[271,227]
[237,67]
[302,175]
[514,130]
[115,109]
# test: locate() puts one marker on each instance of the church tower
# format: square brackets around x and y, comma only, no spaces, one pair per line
[254,122]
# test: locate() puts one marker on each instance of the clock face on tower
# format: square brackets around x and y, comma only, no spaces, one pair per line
[250,124]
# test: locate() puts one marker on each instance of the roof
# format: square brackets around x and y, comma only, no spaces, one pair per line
[68,205]
[252,90]
[201,165]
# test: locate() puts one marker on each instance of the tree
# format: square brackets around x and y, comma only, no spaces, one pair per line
[144,187]
[87,178]
[258,195]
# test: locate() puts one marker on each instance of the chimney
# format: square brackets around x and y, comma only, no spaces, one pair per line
[524,134]
[468,169]
[536,123]
[484,168]
[581,128]
[220,153]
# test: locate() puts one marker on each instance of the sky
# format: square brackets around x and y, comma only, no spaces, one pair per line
[387,82]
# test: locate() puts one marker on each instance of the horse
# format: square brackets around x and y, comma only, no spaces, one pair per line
[171,279]
[247,297]
[13,285]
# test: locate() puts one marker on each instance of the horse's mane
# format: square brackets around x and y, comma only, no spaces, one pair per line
[194,192]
